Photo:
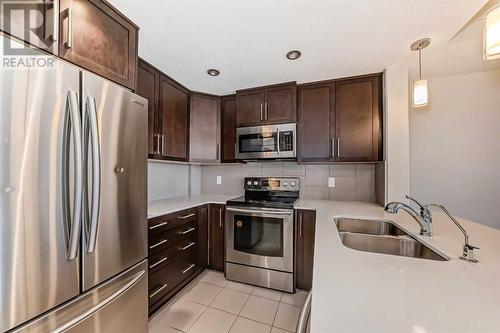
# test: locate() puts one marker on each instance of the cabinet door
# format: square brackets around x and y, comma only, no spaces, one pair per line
[204,128]
[174,120]
[250,107]
[281,104]
[33,22]
[304,242]
[95,36]
[216,248]
[148,80]
[358,119]
[228,128]
[315,105]
[203,236]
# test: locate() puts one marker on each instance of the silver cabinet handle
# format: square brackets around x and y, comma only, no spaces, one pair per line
[158,225]
[158,262]
[265,111]
[187,246]
[108,300]
[158,290]
[54,29]
[220,218]
[186,231]
[338,147]
[304,315]
[300,225]
[159,243]
[163,144]
[188,269]
[217,153]
[96,175]
[69,37]
[261,112]
[75,221]
[332,148]
[187,216]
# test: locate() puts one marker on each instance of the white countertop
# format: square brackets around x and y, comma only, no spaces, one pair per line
[172,205]
[364,292]
[356,291]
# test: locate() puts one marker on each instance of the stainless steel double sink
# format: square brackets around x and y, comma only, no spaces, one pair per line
[385,237]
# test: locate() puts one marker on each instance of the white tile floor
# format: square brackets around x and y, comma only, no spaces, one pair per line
[212,304]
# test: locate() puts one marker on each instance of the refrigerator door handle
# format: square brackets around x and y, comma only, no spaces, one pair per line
[96,174]
[108,300]
[73,125]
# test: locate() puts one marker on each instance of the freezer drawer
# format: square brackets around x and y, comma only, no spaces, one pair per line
[119,305]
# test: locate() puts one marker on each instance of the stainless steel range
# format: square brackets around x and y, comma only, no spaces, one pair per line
[259,233]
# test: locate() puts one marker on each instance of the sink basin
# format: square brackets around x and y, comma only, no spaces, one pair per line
[372,227]
[383,237]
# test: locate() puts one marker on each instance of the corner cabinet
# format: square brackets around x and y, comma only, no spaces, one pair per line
[341,120]
[216,250]
[274,104]
[305,230]
[205,115]
[228,124]
[148,81]
[96,36]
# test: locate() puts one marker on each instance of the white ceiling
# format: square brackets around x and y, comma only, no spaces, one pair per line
[247,39]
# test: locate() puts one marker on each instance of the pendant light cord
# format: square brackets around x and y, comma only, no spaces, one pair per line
[419,63]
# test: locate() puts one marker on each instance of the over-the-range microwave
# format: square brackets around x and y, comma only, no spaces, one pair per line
[266,142]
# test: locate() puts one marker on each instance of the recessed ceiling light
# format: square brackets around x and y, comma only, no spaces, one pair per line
[293,55]
[213,72]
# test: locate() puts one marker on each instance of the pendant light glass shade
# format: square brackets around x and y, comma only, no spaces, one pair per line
[420,93]
[491,34]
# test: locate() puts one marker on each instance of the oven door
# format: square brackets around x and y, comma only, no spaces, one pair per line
[260,142]
[260,237]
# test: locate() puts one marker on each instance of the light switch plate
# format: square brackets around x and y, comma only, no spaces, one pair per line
[219,180]
[331,181]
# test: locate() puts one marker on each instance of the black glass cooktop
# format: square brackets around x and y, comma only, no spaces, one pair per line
[263,201]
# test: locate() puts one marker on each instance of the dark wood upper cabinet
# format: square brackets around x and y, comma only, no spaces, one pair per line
[228,128]
[250,107]
[216,228]
[358,119]
[97,37]
[305,230]
[274,104]
[205,128]
[314,123]
[40,30]
[173,120]
[148,80]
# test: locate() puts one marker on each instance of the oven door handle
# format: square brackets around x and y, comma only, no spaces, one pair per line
[266,212]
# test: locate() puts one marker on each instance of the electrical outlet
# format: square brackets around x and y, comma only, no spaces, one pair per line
[219,180]
[331,182]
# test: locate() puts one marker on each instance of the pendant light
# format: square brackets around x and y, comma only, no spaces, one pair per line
[420,92]
[491,34]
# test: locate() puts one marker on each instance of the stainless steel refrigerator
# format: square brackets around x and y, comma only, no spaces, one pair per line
[73,202]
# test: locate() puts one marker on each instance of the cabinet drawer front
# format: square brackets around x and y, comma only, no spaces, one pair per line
[163,257]
[171,275]
[162,240]
[167,222]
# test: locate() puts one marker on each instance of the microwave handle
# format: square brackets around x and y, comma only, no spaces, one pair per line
[278,143]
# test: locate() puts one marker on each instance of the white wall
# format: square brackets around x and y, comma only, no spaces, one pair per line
[455,146]
[167,180]
[396,132]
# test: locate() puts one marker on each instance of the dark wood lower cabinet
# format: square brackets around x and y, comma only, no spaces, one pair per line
[216,228]
[174,253]
[203,237]
[305,226]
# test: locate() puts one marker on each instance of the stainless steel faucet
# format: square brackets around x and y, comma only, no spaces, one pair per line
[424,218]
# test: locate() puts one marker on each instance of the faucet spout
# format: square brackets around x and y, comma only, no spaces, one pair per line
[424,218]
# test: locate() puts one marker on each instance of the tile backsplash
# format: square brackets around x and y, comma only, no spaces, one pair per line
[352,181]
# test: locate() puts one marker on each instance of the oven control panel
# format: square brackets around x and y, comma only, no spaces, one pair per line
[288,184]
